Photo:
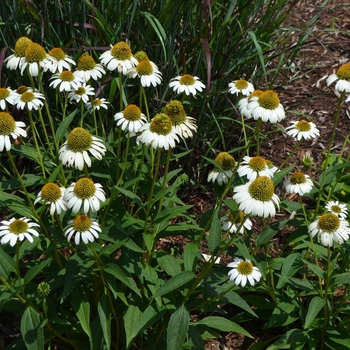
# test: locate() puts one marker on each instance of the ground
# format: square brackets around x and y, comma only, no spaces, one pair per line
[305,90]
[301,89]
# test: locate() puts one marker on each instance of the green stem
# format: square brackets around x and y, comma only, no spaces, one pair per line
[290,154]
[330,144]
[35,132]
[166,170]
[150,196]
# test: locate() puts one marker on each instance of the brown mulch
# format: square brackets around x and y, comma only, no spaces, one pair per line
[303,90]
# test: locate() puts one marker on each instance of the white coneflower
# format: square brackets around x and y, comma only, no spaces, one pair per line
[243,102]
[227,164]
[7,96]
[342,77]
[82,93]
[15,60]
[241,87]
[29,99]
[62,61]
[52,194]
[243,271]
[337,208]
[119,57]
[303,129]
[66,81]
[75,151]
[88,69]
[330,227]
[231,222]
[35,58]
[130,118]
[159,133]
[257,197]
[84,195]
[9,127]
[97,103]
[299,183]
[186,83]
[82,228]
[148,73]
[266,107]
[14,230]
[184,124]
[252,167]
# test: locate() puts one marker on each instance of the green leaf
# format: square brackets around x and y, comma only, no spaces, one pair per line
[81,307]
[191,256]
[316,305]
[222,324]
[177,328]
[318,271]
[341,278]
[169,264]
[7,265]
[214,238]
[118,273]
[36,269]
[104,313]
[287,339]
[158,28]
[230,297]
[75,272]
[31,330]
[282,315]
[61,130]
[195,340]
[151,315]
[174,283]
[130,194]
[131,318]
[289,268]
[169,213]
[266,235]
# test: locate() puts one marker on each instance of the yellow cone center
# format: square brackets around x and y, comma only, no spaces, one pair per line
[161,124]
[262,189]
[269,100]
[27,96]
[245,268]
[4,93]
[18,226]
[303,125]
[225,160]
[298,178]
[144,68]
[132,113]
[257,163]
[86,62]
[329,222]
[82,223]
[121,51]
[57,53]
[21,46]
[344,72]
[7,123]
[241,84]
[35,53]
[67,75]
[175,110]
[51,192]
[79,140]
[187,79]
[84,188]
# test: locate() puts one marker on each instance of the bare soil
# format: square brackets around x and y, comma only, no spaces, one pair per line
[303,90]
